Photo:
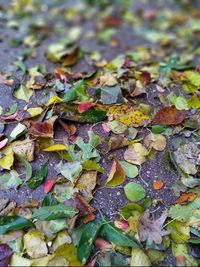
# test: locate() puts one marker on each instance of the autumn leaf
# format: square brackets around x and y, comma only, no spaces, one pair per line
[169,116]
[152,228]
[82,107]
[158,184]
[136,154]
[41,129]
[128,115]
[186,197]
[49,185]
[155,141]
[116,175]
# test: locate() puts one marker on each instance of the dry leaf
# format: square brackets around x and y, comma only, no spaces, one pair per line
[116,175]
[186,197]
[136,154]
[169,116]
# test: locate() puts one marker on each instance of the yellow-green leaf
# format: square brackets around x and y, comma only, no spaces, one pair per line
[7,161]
[35,111]
[56,147]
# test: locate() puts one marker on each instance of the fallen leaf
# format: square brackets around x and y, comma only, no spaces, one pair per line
[34,243]
[25,148]
[136,154]
[155,141]
[139,258]
[35,111]
[7,161]
[41,129]
[9,181]
[116,127]
[84,207]
[111,95]
[116,175]
[54,100]
[186,197]
[3,143]
[69,252]
[128,115]
[56,147]
[49,185]
[134,191]
[102,244]
[169,116]
[23,93]
[68,127]
[158,184]
[86,184]
[131,170]
[152,228]
[82,107]
[70,170]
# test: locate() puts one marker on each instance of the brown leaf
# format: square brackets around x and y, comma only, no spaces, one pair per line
[169,116]
[42,129]
[26,148]
[86,210]
[68,127]
[186,197]
[152,229]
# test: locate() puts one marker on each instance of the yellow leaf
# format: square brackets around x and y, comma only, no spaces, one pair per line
[53,100]
[86,184]
[136,154]
[56,147]
[35,111]
[7,161]
[68,251]
[128,115]
[116,175]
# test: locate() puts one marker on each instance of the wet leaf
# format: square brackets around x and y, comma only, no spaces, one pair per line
[169,116]
[116,175]
[134,191]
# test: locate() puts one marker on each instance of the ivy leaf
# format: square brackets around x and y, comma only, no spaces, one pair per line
[11,223]
[54,212]
[38,178]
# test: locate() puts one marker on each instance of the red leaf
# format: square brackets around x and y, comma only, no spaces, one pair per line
[49,185]
[3,142]
[169,116]
[5,254]
[82,107]
[42,129]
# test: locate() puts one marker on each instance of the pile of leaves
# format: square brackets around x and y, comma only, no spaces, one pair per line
[141,104]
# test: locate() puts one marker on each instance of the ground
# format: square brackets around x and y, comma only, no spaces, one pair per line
[108,200]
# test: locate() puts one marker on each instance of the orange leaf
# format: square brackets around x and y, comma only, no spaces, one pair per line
[158,184]
[186,197]
[169,116]
[82,107]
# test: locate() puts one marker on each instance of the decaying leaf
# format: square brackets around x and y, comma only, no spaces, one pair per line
[152,228]
[136,154]
[25,148]
[86,184]
[41,129]
[128,115]
[155,141]
[169,116]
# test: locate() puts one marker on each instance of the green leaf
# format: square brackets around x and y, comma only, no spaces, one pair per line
[27,166]
[134,191]
[23,93]
[12,110]
[193,77]
[89,234]
[156,129]
[9,181]
[38,178]
[94,115]
[184,213]
[91,165]
[19,130]
[131,170]
[49,200]
[70,170]
[111,95]
[11,223]
[116,236]
[77,92]
[54,212]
